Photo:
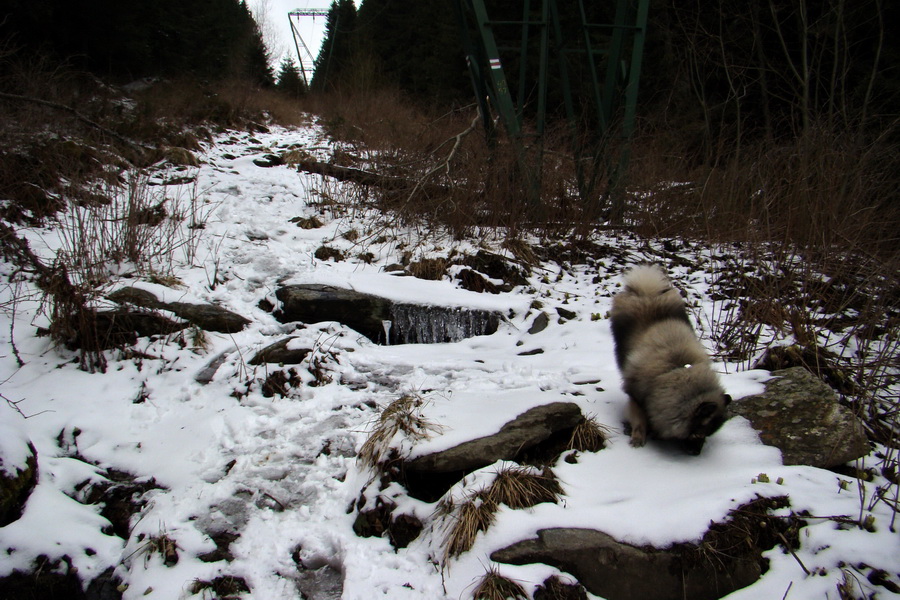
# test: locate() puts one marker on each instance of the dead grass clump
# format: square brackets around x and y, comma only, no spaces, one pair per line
[825,189]
[523,487]
[224,586]
[513,485]
[403,416]
[470,518]
[165,108]
[588,436]
[307,223]
[432,269]
[329,253]
[494,586]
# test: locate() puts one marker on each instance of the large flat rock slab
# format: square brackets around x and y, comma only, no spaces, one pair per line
[380,319]
[205,316]
[525,431]
[618,571]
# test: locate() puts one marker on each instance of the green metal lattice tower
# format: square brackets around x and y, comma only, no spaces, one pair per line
[601,116]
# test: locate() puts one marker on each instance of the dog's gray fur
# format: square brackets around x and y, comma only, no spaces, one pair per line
[674,393]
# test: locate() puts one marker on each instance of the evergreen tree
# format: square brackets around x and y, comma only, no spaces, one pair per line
[290,81]
[211,39]
[417,45]
[335,56]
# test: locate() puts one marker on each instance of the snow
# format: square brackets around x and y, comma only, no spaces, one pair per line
[282,472]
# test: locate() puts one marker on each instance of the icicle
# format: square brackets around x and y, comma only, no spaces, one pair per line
[435,325]
[386,323]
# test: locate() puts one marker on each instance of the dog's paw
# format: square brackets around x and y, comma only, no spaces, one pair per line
[638,437]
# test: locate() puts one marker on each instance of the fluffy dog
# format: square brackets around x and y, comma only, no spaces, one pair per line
[673,392]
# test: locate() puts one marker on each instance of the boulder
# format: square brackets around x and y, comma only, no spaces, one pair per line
[619,571]
[18,471]
[205,316]
[540,323]
[801,416]
[209,316]
[280,353]
[498,267]
[122,326]
[381,319]
[525,431]
[314,303]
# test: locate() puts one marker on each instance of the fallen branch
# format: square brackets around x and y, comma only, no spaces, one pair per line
[360,177]
[445,164]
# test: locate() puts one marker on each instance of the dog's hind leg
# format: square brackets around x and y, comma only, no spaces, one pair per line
[637,416]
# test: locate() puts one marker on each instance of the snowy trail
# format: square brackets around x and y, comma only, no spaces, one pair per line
[276,476]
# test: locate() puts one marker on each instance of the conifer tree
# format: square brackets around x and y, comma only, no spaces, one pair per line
[337,49]
[290,81]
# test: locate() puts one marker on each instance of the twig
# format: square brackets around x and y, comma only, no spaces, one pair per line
[12,328]
[787,591]
[794,554]
[446,163]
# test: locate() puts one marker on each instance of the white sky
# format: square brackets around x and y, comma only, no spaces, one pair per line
[273,17]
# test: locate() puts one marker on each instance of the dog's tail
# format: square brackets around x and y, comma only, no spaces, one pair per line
[647,280]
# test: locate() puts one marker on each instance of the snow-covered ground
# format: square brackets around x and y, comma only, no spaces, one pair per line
[282,471]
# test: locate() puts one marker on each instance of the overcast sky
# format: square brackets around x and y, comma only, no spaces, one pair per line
[273,17]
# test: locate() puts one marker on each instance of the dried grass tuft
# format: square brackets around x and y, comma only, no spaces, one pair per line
[469,519]
[515,486]
[588,436]
[403,415]
[523,487]
[494,586]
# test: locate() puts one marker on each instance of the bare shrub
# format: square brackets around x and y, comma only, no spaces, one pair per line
[443,172]
[827,190]
[136,224]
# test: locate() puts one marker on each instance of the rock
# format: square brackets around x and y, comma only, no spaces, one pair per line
[553,588]
[268,160]
[280,353]
[497,267]
[209,317]
[121,496]
[525,431]
[206,374]
[106,586]
[205,316]
[121,327]
[18,470]
[378,318]
[314,303]
[48,581]
[800,415]
[565,313]
[475,282]
[619,571]
[540,323]
[400,529]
